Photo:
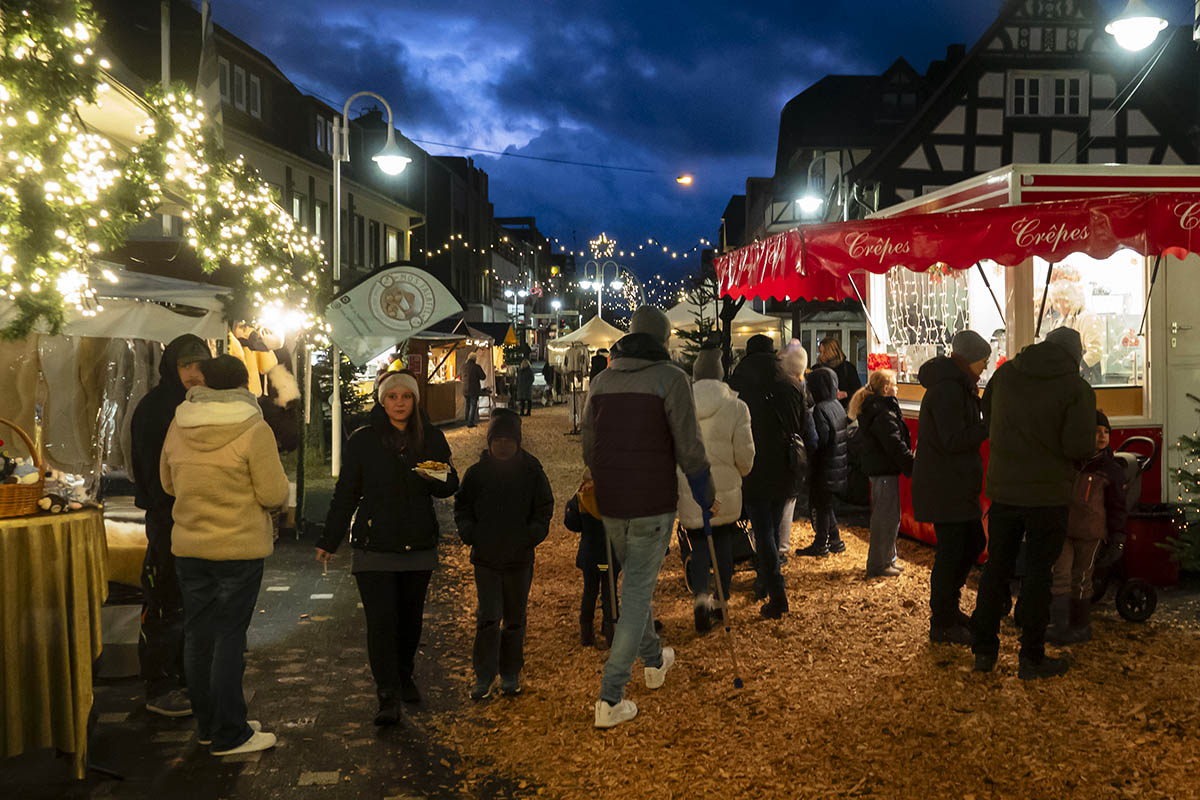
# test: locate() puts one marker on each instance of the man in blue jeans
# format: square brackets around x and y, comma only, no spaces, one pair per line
[638,424]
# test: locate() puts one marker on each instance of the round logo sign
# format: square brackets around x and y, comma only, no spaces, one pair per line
[402,301]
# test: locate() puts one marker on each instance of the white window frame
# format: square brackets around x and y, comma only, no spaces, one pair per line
[254,98]
[223,71]
[239,88]
[1045,94]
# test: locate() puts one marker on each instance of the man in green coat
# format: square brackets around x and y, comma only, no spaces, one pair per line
[1041,417]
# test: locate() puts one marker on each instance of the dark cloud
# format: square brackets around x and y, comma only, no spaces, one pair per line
[666,86]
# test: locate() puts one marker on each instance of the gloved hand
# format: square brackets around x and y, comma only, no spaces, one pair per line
[1113,552]
[703,490]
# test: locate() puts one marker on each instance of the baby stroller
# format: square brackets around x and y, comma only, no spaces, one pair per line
[1134,574]
[743,547]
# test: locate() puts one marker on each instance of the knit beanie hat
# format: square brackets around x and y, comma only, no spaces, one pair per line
[404,380]
[708,366]
[225,372]
[1102,420]
[505,424]
[758,343]
[970,346]
[652,322]
[1068,339]
[191,351]
[795,360]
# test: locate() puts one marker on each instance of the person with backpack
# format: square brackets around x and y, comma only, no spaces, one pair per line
[884,449]
[729,442]
[829,463]
[1097,513]
[947,478]
[777,413]
[1042,420]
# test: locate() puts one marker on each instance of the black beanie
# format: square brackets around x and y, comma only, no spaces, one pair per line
[505,424]
[225,372]
[1102,420]
[759,344]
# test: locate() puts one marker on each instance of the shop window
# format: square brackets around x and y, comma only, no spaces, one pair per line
[923,311]
[1104,300]
[1057,93]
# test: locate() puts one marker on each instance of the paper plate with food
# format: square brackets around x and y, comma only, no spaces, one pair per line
[437,470]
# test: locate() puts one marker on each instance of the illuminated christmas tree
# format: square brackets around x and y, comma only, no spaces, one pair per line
[1185,547]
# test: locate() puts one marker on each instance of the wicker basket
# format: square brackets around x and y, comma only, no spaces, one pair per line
[20,500]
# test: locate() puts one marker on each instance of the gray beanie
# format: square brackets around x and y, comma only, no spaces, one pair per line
[652,322]
[1068,339]
[708,366]
[970,346]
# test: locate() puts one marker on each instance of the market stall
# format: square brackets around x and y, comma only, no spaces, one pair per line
[746,323]
[596,334]
[978,255]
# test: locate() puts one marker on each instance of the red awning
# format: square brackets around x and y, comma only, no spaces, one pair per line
[813,262]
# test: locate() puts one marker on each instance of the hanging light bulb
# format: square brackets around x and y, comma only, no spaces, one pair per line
[1136,27]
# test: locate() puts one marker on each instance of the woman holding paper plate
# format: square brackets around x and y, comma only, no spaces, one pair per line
[391,471]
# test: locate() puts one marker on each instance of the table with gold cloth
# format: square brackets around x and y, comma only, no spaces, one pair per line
[52,585]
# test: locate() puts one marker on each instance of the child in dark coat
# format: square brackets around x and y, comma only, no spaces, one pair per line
[583,517]
[828,464]
[503,511]
[1097,512]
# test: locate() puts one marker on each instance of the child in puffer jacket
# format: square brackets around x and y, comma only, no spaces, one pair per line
[829,463]
[583,517]
[1097,513]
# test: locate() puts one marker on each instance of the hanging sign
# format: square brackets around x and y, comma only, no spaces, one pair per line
[385,309]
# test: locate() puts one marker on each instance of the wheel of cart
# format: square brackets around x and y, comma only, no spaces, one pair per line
[743,548]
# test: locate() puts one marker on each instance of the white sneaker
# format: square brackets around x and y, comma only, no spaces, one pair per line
[258,741]
[254,724]
[611,716]
[656,676]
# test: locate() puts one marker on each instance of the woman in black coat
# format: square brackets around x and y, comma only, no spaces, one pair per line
[828,463]
[948,477]
[885,453]
[525,389]
[395,534]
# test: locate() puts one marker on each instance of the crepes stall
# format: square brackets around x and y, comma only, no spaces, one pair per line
[1109,251]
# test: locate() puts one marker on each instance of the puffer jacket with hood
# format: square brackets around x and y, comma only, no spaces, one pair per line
[639,423]
[777,412]
[829,464]
[887,447]
[220,463]
[1041,419]
[947,477]
[151,419]
[729,442]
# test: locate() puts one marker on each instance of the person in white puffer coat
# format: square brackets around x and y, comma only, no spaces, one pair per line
[729,443]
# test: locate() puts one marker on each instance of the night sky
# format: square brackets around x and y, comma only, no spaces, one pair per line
[665,86]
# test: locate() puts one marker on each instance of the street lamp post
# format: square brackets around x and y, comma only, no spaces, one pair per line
[598,270]
[811,202]
[391,161]
[1137,26]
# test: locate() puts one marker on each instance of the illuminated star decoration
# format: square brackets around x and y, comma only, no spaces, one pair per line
[602,246]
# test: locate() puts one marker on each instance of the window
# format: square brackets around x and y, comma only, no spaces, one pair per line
[373,235]
[298,208]
[255,104]
[319,213]
[393,245]
[239,88]
[223,65]
[360,240]
[322,136]
[1048,94]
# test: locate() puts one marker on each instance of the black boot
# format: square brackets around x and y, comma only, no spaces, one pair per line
[587,631]
[775,608]
[700,611]
[1046,668]
[389,709]
[1081,619]
[837,545]
[817,549]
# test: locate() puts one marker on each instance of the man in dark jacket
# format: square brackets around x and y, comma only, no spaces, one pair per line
[160,647]
[777,419]
[599,363]
[828,463]
[503,511]
[1042,420]
[473,379]
[638,424]
[948,477]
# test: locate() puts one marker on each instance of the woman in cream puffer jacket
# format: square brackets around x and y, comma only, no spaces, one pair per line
[729,444]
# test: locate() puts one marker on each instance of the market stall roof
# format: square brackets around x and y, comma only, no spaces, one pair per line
[595,333]
[499,332]
[683,315]
[807,261]
[451,329]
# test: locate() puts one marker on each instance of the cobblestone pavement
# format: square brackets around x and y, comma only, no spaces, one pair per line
[307,680]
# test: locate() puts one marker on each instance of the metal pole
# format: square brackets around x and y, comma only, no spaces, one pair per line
[335,358]
[1045,294]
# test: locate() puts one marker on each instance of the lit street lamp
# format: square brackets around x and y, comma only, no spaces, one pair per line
[810,204]
[1137,26]
[391,161]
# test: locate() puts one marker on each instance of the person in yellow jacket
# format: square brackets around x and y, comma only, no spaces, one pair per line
[220,463]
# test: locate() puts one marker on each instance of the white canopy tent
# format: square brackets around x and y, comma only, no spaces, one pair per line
[746,323]
[595,333]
